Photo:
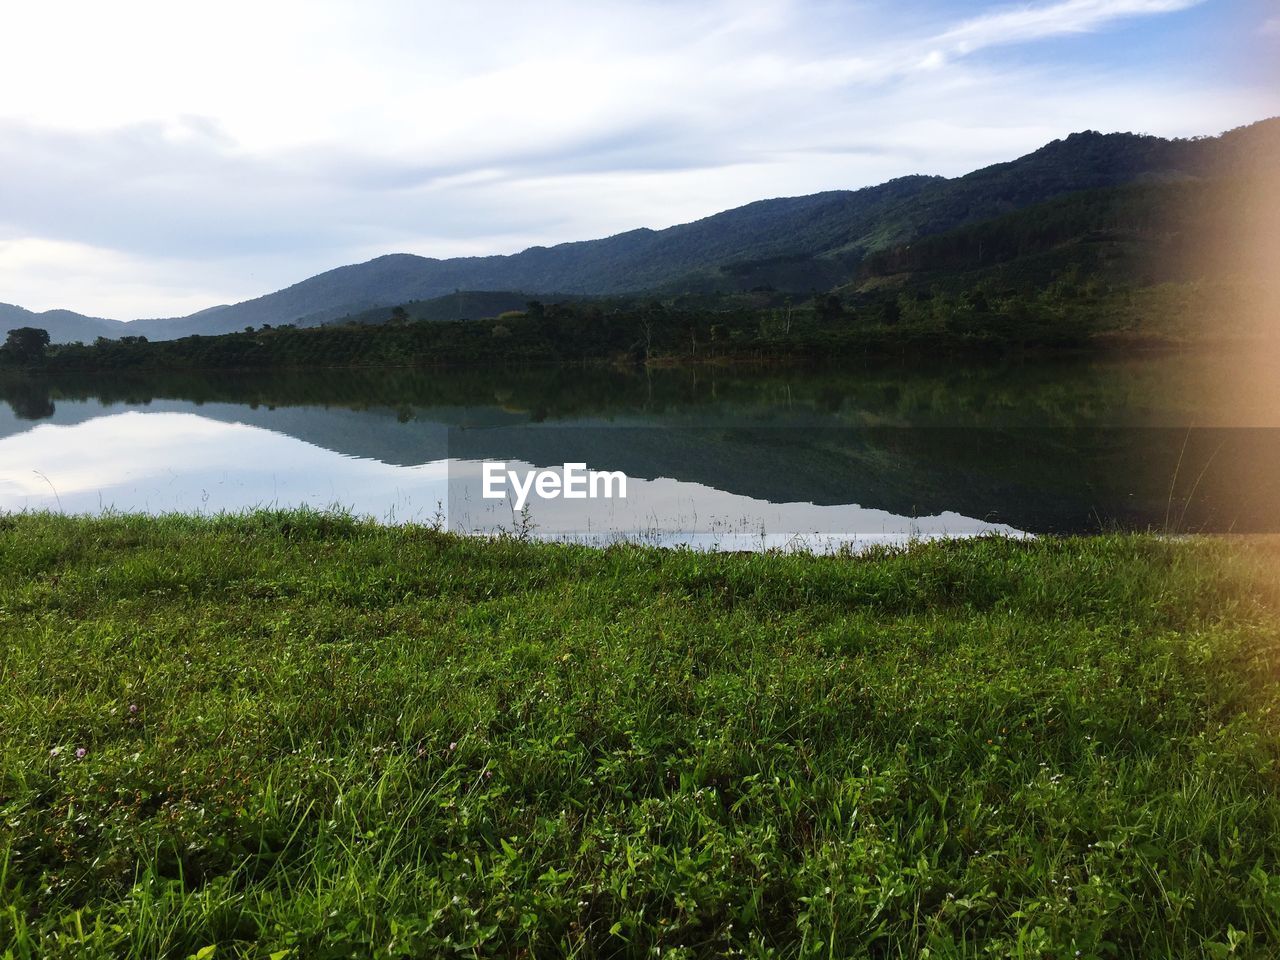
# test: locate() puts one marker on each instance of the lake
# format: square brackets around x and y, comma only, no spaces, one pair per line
[721,458]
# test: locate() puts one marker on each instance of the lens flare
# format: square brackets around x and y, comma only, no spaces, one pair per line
[1218,272]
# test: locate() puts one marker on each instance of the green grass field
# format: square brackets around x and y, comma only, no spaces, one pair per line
[297,736]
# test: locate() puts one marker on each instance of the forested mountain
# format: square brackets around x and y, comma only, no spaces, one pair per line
[801,244]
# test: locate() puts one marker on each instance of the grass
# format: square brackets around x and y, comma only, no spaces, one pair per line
[306,736]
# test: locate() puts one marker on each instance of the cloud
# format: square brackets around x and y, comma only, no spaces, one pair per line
[103,280]
[1027,23]
[172,157]
[1271,28]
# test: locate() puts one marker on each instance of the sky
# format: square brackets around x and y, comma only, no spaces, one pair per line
[157,158]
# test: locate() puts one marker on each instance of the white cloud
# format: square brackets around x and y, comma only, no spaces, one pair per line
[1036,22]
[101,280]
[1271,28]
[175,159]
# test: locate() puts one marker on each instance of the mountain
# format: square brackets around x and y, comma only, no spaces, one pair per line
[63,325]
[798,244]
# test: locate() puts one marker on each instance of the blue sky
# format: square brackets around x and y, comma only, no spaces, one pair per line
[179,157]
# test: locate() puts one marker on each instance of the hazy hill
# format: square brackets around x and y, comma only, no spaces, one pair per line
[799,244]
[63,325]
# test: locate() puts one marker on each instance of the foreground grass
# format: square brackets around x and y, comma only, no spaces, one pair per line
[308,737]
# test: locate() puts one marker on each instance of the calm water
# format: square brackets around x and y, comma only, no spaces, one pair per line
[729,459]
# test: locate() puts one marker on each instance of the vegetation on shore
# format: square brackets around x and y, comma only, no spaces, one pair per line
[574,332]
[299,735]
[1066,315]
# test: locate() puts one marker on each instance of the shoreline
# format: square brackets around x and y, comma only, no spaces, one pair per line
[1103,346]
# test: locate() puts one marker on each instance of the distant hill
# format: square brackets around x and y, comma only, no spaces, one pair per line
[800,244]
[63,325]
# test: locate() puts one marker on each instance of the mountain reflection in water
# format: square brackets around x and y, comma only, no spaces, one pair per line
[729,458]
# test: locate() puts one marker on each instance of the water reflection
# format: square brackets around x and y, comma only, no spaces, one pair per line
[730,458]
[166,462]
[182,462]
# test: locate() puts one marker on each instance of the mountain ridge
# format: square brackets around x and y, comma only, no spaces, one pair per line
[806,243]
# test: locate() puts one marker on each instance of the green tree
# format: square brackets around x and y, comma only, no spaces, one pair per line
[26,344]
[829,309]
